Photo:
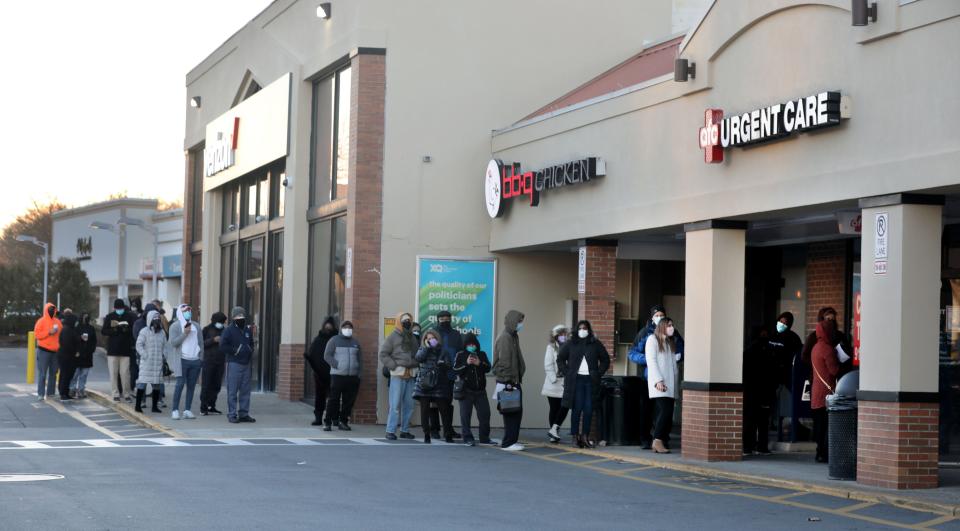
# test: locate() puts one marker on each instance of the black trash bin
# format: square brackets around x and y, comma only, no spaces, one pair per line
[842,426]
[612,415]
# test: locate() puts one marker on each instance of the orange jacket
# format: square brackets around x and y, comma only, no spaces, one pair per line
[48,338]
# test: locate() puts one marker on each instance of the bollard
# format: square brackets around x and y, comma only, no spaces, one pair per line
[31,358]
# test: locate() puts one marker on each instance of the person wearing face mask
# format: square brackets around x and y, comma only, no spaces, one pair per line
[321,369]
[214,364]
[236,344]
[397,355]
[582,362]
[508,369]
[432,389]
[553,382]
[151,347]
[47,334]
[839,337]
[661,348]
[638,356]
[118,329]
[451,342]
[138,325]
[88,345]
[346,362]
[68,352]
[471,367]
[186,359]
[826,370]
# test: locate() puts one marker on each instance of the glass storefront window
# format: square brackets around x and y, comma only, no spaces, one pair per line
[251,292]
[231,204]
[277,191]
[196,194]
[327,278]
[321,137]
[342,146]
[228,259]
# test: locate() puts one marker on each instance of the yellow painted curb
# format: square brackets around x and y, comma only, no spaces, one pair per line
[859,495]
[131,415]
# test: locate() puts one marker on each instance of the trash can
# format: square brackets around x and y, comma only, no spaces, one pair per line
[842,426]
[613,412]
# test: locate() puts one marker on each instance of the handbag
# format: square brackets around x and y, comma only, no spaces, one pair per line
[458,387]
[428,378]
[510,400]
[166,369]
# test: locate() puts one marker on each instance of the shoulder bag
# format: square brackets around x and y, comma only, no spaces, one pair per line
[510,400]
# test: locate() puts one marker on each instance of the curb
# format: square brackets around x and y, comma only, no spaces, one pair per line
[131,415]
[859,495]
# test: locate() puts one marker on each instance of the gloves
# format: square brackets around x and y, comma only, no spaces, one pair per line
[678,356]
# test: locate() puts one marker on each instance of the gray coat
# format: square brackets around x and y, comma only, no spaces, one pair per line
[393,354]
[177,337]
[343,356]
[151,347]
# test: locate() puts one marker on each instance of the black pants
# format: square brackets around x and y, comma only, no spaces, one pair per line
[443,415]
[756,426]
[343,393]
[426,417]
[646,413]
[820,431]
[558,413]
[68,366]
[134,370]
[663,418]
[321,386]
[475,400]
[212,382]
[511,425]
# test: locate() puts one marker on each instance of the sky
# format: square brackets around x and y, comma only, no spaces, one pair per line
[92,95]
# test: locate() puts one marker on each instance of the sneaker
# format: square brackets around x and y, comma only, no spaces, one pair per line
[343,426]
[490,442]
[232,420]
[41,398]
[214,411]
[470,443]
[188,415]
[175,415]
[406,435]
[391,436]
[116,399]
[553,433]
[127,399]
[515,447]
[247,418]
[204,413]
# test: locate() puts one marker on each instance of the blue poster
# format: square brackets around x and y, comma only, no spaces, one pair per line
[466,289]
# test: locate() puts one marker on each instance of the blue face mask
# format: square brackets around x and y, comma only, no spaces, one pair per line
[188,315]
[519,327]
[120,311]
[781,327]
[219,326]
[471,348]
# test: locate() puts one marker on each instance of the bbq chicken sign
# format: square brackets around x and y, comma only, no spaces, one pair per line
[768,124]
[504,181]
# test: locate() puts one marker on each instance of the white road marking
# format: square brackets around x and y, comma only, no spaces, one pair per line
[82,419]
[167,442]
[7,478]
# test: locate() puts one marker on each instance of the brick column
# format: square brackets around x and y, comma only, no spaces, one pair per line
[897,432]
[712,420]
[826,280]
[290,372]
[597,299]
[364,218]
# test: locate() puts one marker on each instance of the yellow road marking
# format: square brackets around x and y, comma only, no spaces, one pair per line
[592,461]
[788,496]
[856,507]
[935,521]
[699,490]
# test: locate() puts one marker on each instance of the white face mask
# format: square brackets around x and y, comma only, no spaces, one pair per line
[781,327]
[347,332]
[561,339]
[670,331]
[656,319]
[583,333]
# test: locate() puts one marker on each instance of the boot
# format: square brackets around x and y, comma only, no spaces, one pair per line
[328,425]
[139,407]
[317,421]
[659,448]
[554,433]
[154,397]
[578,441]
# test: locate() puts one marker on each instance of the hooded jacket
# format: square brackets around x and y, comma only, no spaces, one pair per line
[343,355]
[825,364]
[88,347]
[119,332]
[399,349]
[69,340]
[319,346]
[571,356]
[152,349]
[179,338]
[211,348]
[474,376]
[508,364]
[141,323]
[47,330]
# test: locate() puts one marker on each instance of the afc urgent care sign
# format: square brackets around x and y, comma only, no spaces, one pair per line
[767,124]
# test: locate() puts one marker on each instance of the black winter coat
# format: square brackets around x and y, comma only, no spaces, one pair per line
[760,374]
[88,347]
[211,348]
[474,376]
[315,355]
[430,359]
[568,362]
[120,337]
[69,341]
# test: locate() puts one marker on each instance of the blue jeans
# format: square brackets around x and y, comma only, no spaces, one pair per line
[582,405]
[46,370]
[238,390]
[401,398]
[189,374]
[79,382]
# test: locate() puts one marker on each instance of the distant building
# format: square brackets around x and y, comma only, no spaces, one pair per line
[118,258]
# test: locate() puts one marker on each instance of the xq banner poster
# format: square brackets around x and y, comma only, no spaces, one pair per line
[465,288]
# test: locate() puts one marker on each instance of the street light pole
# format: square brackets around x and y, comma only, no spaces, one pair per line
[155,232]
[46,262]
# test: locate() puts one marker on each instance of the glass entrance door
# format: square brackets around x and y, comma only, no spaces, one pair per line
[251,298]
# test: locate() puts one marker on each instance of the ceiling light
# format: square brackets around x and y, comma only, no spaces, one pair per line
[195,102]
[323,10]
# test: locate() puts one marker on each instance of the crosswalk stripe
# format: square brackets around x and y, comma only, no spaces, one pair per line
[150,440]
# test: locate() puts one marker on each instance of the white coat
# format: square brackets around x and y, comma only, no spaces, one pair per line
[661,367]
[553,380]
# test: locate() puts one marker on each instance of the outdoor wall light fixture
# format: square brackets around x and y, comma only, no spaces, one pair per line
[862,11]
[195,102]
[323,10]
[684,69]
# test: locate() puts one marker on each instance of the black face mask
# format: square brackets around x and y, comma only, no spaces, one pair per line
[51,311]
[406,325]
[155,325]
[242,323]
[444,325]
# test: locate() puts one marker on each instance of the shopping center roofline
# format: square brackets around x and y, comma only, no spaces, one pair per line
[696,27]
[128,202]
[191,76]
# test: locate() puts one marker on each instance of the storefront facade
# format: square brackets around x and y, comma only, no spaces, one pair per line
[803,163]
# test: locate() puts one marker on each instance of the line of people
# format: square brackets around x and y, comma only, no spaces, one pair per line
[65,344]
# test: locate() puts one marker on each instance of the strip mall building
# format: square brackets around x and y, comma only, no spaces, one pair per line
[345,166]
